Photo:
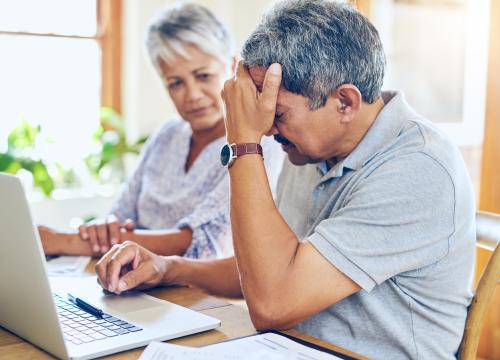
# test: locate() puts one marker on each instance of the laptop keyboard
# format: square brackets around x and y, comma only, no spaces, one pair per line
[80,327]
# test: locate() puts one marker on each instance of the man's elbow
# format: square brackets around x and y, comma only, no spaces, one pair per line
[267,316]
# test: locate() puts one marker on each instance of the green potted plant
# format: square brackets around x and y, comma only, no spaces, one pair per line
[113,146]
[20,154]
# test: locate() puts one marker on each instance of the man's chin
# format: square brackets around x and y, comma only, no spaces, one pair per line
[297,158]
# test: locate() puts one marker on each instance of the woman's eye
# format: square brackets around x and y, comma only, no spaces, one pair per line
[203,77]
[174,85]
[278,116]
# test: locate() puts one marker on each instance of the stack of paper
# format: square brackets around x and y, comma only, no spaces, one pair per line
[67,265]
[267,346]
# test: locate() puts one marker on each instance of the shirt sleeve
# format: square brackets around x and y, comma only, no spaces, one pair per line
[397,220]
[210,223]
[125,207]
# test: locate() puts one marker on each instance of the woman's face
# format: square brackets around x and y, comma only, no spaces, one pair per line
[194,86]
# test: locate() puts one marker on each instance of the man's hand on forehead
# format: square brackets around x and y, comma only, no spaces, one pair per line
[250,113]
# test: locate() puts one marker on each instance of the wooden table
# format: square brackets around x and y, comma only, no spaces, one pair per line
[235,322]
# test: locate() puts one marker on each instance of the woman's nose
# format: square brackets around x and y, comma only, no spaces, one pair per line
[194,92]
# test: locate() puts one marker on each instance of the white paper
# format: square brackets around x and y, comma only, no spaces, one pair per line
[164,351]
[68,265]
[261,347]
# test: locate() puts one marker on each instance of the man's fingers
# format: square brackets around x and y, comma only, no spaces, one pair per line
[242,75]
[241,70]
[124,256]
[101,268]
[136,277]
[271,87]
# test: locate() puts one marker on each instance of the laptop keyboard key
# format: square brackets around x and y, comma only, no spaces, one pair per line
[134,329]
[98,336]
[86,339]
[120,323]
[80,327]
[108,333]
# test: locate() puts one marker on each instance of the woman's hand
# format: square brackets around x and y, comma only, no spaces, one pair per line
[104,233]
[127,266]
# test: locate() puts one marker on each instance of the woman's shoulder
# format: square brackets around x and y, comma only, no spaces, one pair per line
[170,129]
[172,126]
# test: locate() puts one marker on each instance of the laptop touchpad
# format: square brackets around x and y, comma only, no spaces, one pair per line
[130,302]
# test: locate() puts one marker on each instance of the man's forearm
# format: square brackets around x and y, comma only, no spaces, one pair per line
[264,244]
[218,277]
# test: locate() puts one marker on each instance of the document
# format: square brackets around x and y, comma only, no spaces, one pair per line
[263,346]
[67,265]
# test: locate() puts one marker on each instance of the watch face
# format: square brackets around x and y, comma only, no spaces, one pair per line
[225,155]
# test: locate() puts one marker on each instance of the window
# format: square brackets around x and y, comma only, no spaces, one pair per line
[55,71]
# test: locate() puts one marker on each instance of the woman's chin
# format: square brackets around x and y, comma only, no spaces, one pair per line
[205,123]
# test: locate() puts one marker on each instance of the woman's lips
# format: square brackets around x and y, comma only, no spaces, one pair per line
[200,111]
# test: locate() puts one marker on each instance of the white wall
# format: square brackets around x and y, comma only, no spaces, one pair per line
[66,214]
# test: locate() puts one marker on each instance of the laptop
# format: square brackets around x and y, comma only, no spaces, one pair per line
[39,310]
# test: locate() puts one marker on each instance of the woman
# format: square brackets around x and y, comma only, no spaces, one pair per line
[179,184]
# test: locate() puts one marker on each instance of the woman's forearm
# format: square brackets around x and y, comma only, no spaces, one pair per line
[161,242]
[217,277]
[63,243]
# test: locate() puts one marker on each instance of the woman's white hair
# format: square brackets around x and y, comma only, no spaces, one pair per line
[187,24]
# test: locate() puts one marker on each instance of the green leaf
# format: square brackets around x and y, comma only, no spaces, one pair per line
[14,167]
[6,160]
[23,136]
[110,119]
[42,178]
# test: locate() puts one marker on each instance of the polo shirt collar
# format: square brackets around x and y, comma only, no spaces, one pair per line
[386,127]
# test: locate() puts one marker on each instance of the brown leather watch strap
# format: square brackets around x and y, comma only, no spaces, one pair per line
[250,148]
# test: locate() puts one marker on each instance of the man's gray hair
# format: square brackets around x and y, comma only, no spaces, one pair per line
[320,45]
[187,24]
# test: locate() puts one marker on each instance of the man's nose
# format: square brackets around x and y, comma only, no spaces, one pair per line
[273,131]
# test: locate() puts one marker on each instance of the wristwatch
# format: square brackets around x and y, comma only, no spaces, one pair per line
[230,152]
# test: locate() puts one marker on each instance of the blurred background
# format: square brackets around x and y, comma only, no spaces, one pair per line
[78,96]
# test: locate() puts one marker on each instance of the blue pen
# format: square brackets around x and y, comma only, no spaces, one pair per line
[85,306]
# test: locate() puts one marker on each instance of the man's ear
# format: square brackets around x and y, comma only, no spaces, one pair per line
[349,99]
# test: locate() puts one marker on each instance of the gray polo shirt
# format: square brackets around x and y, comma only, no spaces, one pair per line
[397,217]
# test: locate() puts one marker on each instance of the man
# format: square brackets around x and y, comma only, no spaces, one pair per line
[371,243]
